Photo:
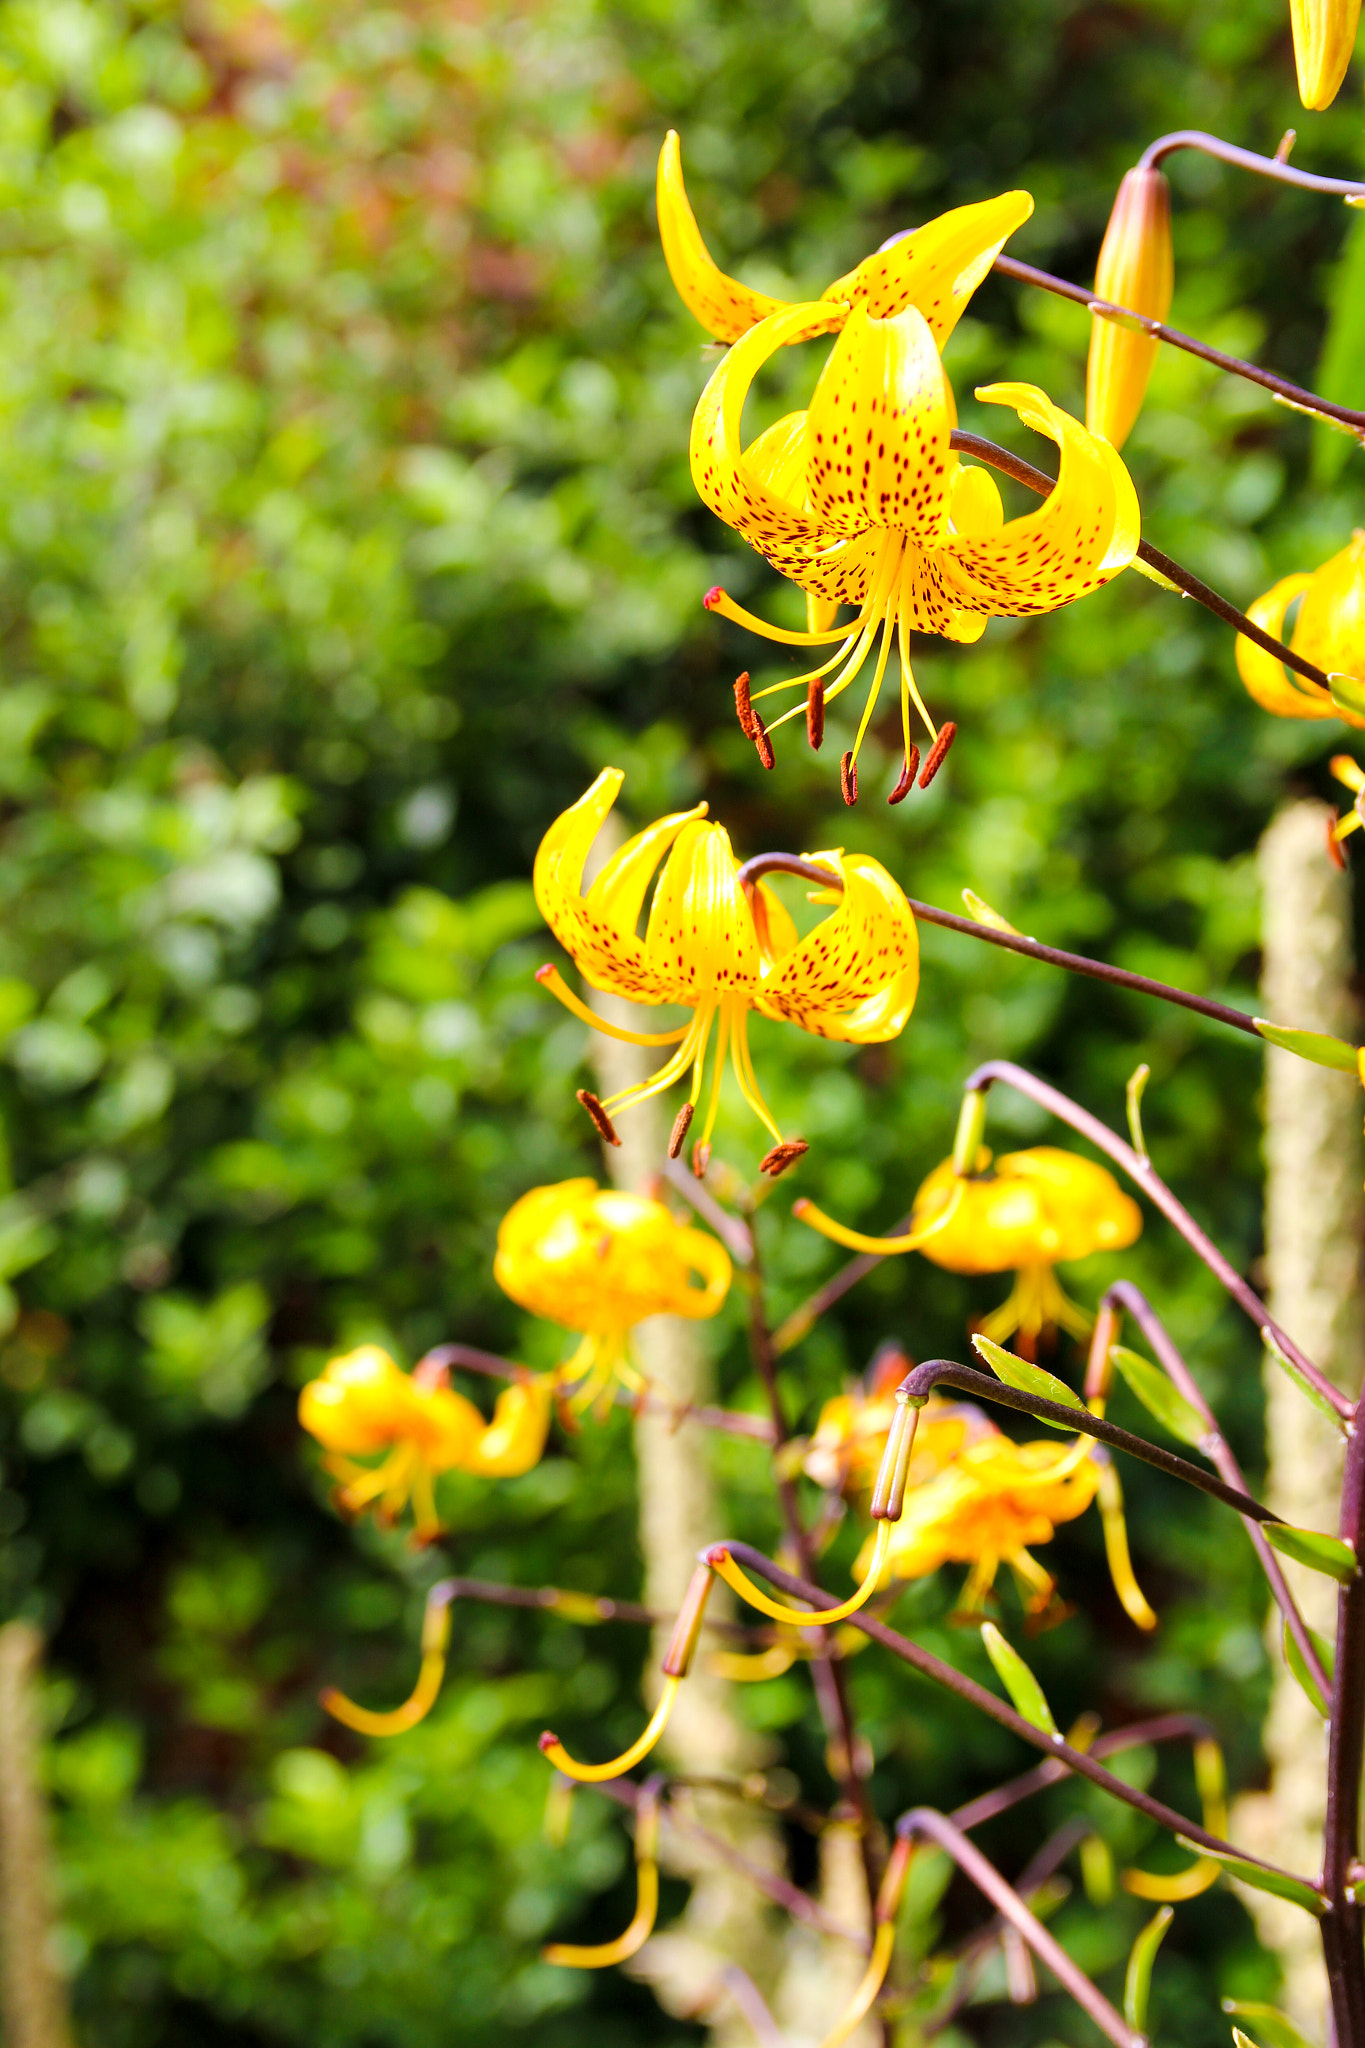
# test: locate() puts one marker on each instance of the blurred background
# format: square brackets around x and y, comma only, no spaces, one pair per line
[345,532]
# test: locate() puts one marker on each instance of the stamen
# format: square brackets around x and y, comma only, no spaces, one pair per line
[815,713]
[848,778]
[701,1159]
[725,1567]
[435,1638]
[1116,1550]
[782,1156]
[742,1062]
[601,1956]
[946,735]
[605,1126]
[907,781]
[680,1124]
[805,1211]
[759,736]
[550,977]
[1334,852]
[744,710]
[718,600]
[597,1774]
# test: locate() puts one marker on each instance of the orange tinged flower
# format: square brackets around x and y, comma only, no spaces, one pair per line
[1137,270]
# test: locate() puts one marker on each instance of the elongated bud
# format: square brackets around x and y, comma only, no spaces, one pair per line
[1099,1371]
[1324,37]
[686,1629]
[888,1495]
[971,1123]
[1136,270]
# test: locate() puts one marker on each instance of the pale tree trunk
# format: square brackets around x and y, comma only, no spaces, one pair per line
[1314,1214]
[31,1993]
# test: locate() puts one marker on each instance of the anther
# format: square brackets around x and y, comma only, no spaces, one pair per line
[759,736]
[782,1156]
[848,778]
[937,753]
[701,1159]
[680,1124]
[605,1126]
[744,710]
[815,713]
[907,781]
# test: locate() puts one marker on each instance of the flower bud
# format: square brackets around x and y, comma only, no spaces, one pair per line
[1136,270]
[1324,37]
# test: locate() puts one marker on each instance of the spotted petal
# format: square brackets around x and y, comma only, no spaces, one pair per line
[700,938]
[724,307]
[855,977]
[724,481]
[878,431]
[936,267]
[1084,532]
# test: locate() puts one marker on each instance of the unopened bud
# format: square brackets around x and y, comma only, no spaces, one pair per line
[1099,1371]
[888,1495]
[1324,37]
[683,1642]
[1136,270]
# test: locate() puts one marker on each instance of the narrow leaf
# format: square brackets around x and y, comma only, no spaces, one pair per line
[979,910]
[1030,1379]
[1277,1882]
[1307,1546]
[1293,1657]
[1137,1082]
[1316,1045]
[1348,692]
[1241,2040]
[1019,1682]
[1170,1408]
[1277,2030]
[1301,1380]
[1137,1985]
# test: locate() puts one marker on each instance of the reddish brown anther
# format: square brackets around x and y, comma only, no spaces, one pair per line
[605,1126]
[907,781]
[1335,852]
[680,1125]
[848,778]
[759,736]
[701,1159]
[938,753]
[782,1156]
[815,713]
[744,710]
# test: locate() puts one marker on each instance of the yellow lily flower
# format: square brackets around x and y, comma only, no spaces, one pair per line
[1136,269]
[1348,770]
[599,1261]
[1329,631]
[720,950]
[1324,38]
[861,500]
[363,1404]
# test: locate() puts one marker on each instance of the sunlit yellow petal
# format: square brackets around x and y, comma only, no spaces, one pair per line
[700,935]
[724,307]
[853,978]
[937,267]
[1267,679]
[975,505]
[877,431]
[1324,37]
[1330,629]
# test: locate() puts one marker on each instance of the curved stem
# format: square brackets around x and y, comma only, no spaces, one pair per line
[1144,1174]
[1126,1296]
[923,1820]
[945,1372]
[1246,160]
[1292,394]
[1342,1924]
[1038,480]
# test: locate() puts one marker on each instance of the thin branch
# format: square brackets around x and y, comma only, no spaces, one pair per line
[1247,160]
[1144,1174]
[1002,1798]
[587,1608]
[804,1318]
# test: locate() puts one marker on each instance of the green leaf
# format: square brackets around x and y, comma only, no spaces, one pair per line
[1348,692]
[1320,1553]
[1301,1380]
[1019,1682]
[1097,1870]
[1030,1379]
[1137,1984]
[1293,1657]
[1137,1082]
[1277,1882]
[1315,1045]
[1277,2030]
[1161,1400]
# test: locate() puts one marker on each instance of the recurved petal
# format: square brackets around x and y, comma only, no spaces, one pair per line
[598,933]
[719,470]
[936,267]
[1324,37]
[1330,629]
[515,1438]
[1267,680]
[724,307]
[878,431]
[618,894]
[869,945]
[700,938]
[707,1258]
[1084,532]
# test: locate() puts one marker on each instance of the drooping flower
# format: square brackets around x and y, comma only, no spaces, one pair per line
[1137,270]
[1324,38]
[721,949]
[599,1261]
[1329,631]
[363,1404]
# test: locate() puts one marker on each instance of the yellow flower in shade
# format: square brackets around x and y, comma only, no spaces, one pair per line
[1137,270]
[720,951]
[845,1451]
[985,1508]
[1329,631]
[1324,38]
[599,1261]
[364,1405]
[1031,1211]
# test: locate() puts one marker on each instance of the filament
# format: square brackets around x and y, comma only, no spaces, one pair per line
[863,1998]
[597,1774]
[724,1565]
[636,1935]
[435,1637]
[721,601]
[722,1043]
[688,1053]
[909,690]
[1120,1563]
[742,1061]
[552,979]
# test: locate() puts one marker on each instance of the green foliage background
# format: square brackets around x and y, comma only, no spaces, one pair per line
[345,531]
